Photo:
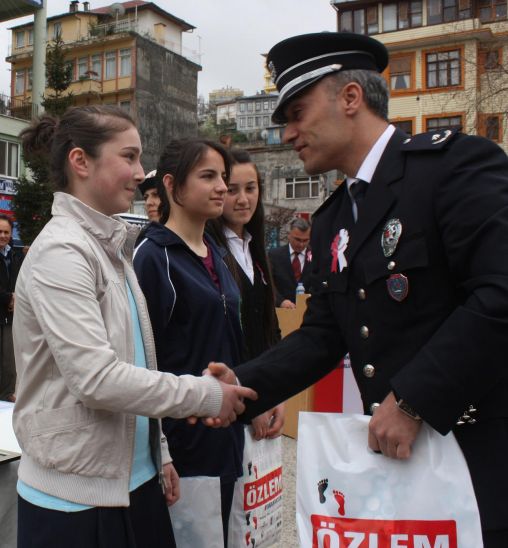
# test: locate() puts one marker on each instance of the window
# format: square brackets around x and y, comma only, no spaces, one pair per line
[57,30]
[443,122]
[30,79]
[491,10]
[242,122]
[31,37]
[258,106]
[302,187]
[82,67]
[242,107]
[250,121]
[125,62]
[405,125]
[401,73]
[402,15]
[266,121]
[20,39]
[110,65]
[258,121]
[273,103]
[96,67]
[361,21]
[19,82]
[389,17]
[265,105]
[444,11]
[443,69]
[9,159]
[490,126]
[250,107]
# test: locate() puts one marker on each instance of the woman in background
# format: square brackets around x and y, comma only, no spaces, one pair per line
[241,231]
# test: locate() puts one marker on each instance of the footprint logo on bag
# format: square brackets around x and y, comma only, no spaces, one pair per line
[337,495]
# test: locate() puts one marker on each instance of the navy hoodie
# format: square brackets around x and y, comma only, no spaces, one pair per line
[194,322]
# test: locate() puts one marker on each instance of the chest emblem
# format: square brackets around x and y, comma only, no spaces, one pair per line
[390,237]
[338,249]
[398,287]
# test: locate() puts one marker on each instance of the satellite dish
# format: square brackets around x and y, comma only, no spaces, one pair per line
[117,9]
[264,134]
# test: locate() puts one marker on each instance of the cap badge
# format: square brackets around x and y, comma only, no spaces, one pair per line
[273,71]
[390,237]
[338,249]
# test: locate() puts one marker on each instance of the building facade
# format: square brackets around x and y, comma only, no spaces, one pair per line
[129,54]
[448,61]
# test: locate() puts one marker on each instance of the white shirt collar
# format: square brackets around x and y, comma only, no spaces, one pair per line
[5,250]
[239,248]
[369,165]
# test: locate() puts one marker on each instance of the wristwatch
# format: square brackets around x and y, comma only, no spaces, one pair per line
[408,410]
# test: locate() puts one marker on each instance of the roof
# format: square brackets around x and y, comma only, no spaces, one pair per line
[130,7]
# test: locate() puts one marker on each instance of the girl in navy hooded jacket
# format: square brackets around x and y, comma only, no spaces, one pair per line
[193,301]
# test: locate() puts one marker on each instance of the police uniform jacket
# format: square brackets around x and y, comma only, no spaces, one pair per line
[443,346]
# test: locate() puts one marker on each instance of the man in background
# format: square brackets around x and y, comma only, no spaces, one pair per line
[291,264]
[10,262]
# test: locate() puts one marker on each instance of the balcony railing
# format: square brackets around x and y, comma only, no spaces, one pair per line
[17,108]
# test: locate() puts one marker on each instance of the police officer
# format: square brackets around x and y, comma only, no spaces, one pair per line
[410,266]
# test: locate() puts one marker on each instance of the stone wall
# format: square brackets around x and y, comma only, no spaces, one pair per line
[165,98]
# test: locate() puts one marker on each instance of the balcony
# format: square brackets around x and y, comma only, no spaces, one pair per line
[17,108]
[86,86]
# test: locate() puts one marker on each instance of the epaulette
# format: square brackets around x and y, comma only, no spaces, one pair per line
[330,200]
[431,140]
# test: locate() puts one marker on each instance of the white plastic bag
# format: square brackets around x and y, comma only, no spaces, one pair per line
[350,496]
[256,513]
[196,517]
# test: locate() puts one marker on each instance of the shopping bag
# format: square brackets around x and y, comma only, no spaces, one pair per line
[196,517]
[256,513]
[347,495]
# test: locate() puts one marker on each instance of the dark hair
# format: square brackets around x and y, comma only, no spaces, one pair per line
[256,228]
[4,217]
[178,159]
[86,127]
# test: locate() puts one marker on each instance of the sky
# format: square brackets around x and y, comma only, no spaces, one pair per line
[231,35]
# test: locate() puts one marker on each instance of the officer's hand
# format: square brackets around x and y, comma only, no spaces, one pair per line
[286,303]
[391,431]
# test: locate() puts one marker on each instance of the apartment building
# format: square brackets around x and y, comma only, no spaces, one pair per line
[129,54]
[448,61]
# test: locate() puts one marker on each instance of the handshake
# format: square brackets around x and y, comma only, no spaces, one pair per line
[267,425]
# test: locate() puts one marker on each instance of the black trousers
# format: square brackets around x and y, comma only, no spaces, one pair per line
[144,524]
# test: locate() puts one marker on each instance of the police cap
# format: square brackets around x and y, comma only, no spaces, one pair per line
[151,181]
[300,61]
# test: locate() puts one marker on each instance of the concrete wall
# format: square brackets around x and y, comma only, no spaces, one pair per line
[165,103]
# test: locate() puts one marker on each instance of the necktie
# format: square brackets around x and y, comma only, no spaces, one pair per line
[297,267]
[358,191]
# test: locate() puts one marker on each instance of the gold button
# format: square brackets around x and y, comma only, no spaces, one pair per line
[369,370]
[364,332]
[362,295]
[391,265]
[324,284]
[373,407]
